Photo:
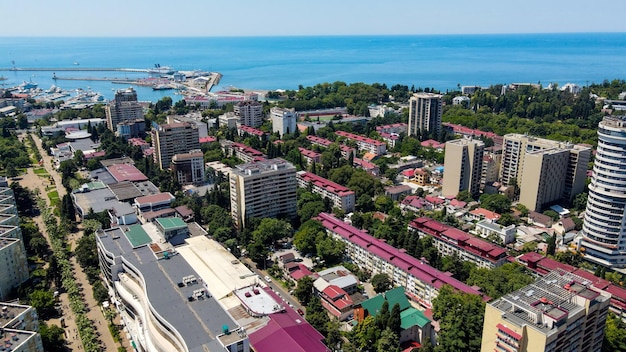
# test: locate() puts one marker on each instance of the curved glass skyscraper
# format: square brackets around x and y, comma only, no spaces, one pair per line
[604,228]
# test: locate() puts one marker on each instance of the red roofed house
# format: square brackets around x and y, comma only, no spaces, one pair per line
[153,202]
[449,240]
[367,166]
[415,203]
[337,302]
[431,143]
[482,213]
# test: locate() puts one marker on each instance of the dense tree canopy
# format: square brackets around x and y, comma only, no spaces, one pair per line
[460,317]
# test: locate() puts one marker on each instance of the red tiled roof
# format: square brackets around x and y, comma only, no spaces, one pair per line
[435,200]
[431,143]
[458,238]
[328,185]
[207,139]
[397,257]
[457,203]
[126,172]
[155,198]
[409,173]
[309,153]
[356,137]
[251,130]
[487,214]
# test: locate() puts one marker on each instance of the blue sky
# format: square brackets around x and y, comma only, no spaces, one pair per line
[301,17]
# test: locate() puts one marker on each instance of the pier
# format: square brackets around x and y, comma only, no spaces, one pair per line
[76,69]
[112,79]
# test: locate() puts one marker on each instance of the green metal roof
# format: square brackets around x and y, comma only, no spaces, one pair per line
[171,223]
[137,236]
[393,296]
[411,317]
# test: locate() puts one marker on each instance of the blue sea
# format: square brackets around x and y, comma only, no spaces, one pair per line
[267,63]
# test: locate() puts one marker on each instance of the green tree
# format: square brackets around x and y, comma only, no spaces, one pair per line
[366,334]
[304,290]
[495,202]
[305,238]
[552,214]
[464,196]
[316,315]
[381,282]
[614,334]
[383,203]
[460,317]
[43,302]
[501,280]
[388,341]
[394,323]
[52,337]
[271,230]
[330,250]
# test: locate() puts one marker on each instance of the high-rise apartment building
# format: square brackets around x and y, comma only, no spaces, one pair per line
[463,166]
[13,259]
[283,120]
[535,163]
[604,232]
[188,168]
[425,114]
[19,328]
[250,113]
[174,138]
[265,188]
[559,312]
[124,107]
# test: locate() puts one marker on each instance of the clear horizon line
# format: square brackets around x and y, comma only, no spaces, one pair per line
[309,35]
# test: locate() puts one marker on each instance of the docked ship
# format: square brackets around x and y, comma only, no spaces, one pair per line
[161,70]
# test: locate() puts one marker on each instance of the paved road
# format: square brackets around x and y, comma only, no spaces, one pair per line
[32,181]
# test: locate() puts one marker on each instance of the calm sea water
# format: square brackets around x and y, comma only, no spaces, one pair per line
[439,61]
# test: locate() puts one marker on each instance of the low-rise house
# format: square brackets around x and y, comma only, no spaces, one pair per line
[414,324]
[396,192]
[488,229]
[415,204]
[482,213]
[539,219]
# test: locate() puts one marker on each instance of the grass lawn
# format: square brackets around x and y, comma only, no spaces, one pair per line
[40,171]
[54,198]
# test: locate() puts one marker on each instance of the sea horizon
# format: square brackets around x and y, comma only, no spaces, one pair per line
[440,61]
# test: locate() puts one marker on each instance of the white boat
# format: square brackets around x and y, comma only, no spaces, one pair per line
[161,70]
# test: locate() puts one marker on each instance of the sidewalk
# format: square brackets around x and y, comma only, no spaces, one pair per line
[94,313]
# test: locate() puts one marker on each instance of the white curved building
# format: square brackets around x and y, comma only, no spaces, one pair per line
[162,302]
[604,228]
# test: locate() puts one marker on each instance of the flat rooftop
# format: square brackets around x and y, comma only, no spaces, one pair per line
[215,264]
[125,191]
[137,236]
[9,312]
[198,321]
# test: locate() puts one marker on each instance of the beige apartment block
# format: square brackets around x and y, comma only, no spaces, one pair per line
[174,138]
[425,113]
[262,189]
[559,312]
[541,152]
[463,166]
[124,107]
